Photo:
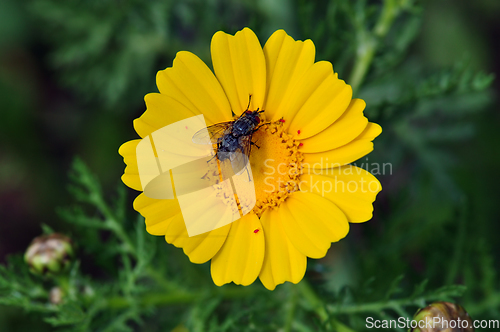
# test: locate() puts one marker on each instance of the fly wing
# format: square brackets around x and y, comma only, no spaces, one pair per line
[240,158]
[213,134]
[235,162]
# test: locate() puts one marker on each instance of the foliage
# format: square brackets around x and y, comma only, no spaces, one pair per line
[432,237]
[136,282]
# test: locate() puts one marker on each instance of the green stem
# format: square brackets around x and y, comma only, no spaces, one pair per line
[339,327]
[312,299]
[364,56]
[64,285]
[368,42]
[290,309]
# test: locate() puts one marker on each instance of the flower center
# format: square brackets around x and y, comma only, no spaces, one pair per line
[276,166]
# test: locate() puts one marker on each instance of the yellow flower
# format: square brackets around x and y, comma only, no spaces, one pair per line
[307,194]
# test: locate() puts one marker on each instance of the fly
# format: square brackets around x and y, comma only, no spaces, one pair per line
[233,138]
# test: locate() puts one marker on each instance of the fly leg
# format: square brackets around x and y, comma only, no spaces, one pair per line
[248,173]
[252,143]
[249,100]
[215,155]
[263,124]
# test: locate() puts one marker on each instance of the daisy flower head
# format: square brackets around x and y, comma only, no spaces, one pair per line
[306,193]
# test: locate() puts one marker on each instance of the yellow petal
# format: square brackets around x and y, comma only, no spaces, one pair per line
[371,131]
[282,261]
[350,125]
[338,157]
[240,258]
[312,223]
[327,99]
[287,61]
[240,67]
[157,212]
[161,110]
[200,248]
[164,217]
[131,174]
[351,188]
[188,88]
[352,151]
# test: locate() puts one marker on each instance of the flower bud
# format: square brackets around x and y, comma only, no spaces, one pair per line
[442,317]
[49,254]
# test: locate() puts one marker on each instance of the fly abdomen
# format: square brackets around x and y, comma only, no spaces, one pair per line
[228,144]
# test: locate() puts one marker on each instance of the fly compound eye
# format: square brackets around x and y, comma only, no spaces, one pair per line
[248,112]
[257,119]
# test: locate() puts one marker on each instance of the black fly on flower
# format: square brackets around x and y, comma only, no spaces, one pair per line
[233,138]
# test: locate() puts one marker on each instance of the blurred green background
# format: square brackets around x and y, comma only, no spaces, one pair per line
[73,76]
